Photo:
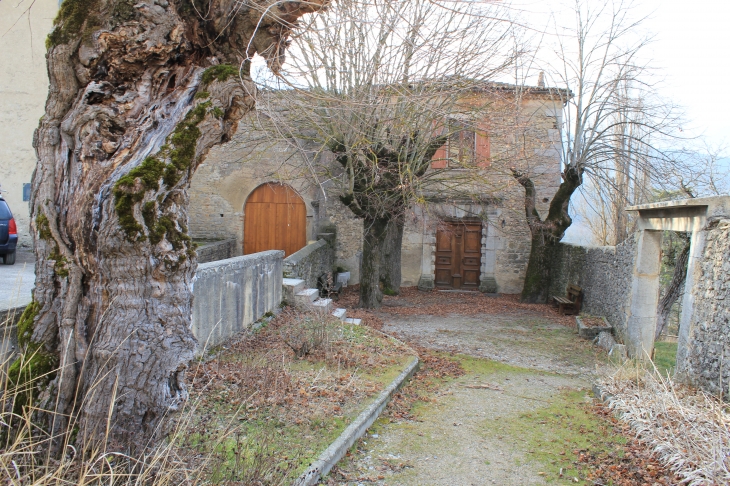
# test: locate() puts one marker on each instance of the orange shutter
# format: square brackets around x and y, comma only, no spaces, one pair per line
[484,157]
[440,158]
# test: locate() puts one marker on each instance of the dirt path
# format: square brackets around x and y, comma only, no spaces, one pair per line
[503,422]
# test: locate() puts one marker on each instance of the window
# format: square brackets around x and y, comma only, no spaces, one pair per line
[461,145]
[467,146]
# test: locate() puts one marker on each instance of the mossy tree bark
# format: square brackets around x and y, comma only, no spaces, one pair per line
[390,261]
[139,92]
[546,233]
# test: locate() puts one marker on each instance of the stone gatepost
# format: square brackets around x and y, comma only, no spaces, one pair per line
[641,323]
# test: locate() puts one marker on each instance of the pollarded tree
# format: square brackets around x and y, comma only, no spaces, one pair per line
[613,125]
[139,92]
[382,87]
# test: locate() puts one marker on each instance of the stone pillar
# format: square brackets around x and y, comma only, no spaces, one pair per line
[644,295]
[696,250]
[428,257]
[488,283]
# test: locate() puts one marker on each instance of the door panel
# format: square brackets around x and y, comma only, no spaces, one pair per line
[458,256]
[275,218]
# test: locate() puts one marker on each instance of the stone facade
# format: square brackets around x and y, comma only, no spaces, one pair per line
[310,262]
[708,358]
[527,139]
[604,273]
[23,93]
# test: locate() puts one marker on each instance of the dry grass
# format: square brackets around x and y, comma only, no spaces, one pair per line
[688,429]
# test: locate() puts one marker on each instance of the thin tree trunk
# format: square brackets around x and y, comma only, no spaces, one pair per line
[674,290]
[370,294]
[390,263]
[135,103]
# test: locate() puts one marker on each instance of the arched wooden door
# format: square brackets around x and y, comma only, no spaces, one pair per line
[275,218]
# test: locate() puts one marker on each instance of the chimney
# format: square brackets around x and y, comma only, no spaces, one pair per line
[541,80]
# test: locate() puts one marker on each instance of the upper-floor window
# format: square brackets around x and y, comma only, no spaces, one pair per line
[467,146]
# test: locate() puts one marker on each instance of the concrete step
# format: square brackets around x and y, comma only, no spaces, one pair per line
[306,297]
[352,321]
[322,305]
[340,313]
[291,287]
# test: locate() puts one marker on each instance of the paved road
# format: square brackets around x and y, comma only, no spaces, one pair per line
[17,281]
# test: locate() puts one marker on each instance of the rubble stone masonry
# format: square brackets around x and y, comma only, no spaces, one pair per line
[708,360]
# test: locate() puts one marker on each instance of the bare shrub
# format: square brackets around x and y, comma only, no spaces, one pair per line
[305,332]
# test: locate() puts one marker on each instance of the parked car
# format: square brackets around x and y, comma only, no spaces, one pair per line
[8,234]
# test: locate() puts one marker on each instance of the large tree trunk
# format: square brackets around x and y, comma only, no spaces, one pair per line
[375,231]
[139,92]
[547,233]
[390,263]
[674,290]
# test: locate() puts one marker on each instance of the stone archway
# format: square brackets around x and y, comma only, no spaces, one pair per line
[688,215]
[275,218]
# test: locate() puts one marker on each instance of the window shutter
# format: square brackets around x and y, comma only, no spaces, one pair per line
[484,157]
[440,158]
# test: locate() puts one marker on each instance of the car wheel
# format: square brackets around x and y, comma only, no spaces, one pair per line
[9,259]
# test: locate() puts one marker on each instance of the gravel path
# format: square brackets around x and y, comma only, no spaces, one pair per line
[457,438]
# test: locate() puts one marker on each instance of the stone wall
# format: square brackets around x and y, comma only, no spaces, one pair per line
[212,251]
[708,358]
[23,93]
[311,261]
[605,275]
[232,294]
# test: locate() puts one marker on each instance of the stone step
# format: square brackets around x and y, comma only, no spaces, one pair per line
[352,321]
[322,305]
[306,297]
[291,287]
[340,313]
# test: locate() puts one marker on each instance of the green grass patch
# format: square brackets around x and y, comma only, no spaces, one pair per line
[554,435]
[665,357]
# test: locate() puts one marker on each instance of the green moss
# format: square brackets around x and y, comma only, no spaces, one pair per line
[25,324]
[33,369]
[43,227]
[219,73]
[74,20]
[34,366]
[60,266]
[123,11]
[201,95]
[217,112]
[553,435]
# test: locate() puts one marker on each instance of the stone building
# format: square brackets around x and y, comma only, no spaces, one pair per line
[23,93]
[261,191]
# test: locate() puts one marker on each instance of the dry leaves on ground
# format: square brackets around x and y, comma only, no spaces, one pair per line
[412,301]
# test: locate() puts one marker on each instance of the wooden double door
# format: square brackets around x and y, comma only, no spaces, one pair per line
[458,255]
[275,218]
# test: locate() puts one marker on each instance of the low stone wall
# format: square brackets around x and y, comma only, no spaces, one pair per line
[605,275]
[232,294]
[311,261]
[216,250]
[708,358]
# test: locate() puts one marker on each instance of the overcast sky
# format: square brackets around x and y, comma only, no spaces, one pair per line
[691,49]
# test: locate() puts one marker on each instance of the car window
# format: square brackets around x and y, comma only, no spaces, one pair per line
[5,211]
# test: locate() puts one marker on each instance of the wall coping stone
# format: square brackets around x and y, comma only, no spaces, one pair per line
[300,255]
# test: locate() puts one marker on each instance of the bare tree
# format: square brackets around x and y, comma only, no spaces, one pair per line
[613,125]
[382,87]
[139,92]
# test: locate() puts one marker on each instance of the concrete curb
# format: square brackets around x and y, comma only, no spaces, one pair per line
[355,430]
